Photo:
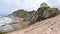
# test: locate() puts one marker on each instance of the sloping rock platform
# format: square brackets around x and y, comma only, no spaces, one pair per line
[48,26]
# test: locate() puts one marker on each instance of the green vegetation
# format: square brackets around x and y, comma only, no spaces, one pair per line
[49,8]
[44,8]
[23,11]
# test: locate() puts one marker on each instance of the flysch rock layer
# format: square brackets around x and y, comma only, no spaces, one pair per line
[48,26]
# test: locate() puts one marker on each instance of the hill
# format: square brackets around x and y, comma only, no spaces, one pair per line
[42,13]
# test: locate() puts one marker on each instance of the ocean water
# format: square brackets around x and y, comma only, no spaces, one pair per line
[5,24]
[4,20]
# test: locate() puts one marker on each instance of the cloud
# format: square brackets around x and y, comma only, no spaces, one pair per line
[54,3]
[25,4]
[9,6]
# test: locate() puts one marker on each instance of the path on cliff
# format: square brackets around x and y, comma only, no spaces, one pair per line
[48,26]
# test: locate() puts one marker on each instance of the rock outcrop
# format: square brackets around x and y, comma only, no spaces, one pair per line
[46,19]
[27,16]
[48,26]
[32,17]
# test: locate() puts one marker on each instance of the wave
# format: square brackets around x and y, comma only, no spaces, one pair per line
[4,20]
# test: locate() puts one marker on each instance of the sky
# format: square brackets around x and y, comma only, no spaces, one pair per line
[9,6]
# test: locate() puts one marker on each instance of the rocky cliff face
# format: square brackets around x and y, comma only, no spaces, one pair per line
[27,16]
[42,13]
[48,26]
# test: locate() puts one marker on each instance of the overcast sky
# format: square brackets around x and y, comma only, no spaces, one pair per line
[9,6]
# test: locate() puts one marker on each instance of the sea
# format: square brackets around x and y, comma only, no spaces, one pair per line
[4,21]
[5,24]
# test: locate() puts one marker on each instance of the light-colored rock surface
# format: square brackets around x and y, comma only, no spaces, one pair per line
[49,26]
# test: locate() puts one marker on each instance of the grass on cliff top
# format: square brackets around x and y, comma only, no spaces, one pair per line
[44,8]
[23,11]
[49,8]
